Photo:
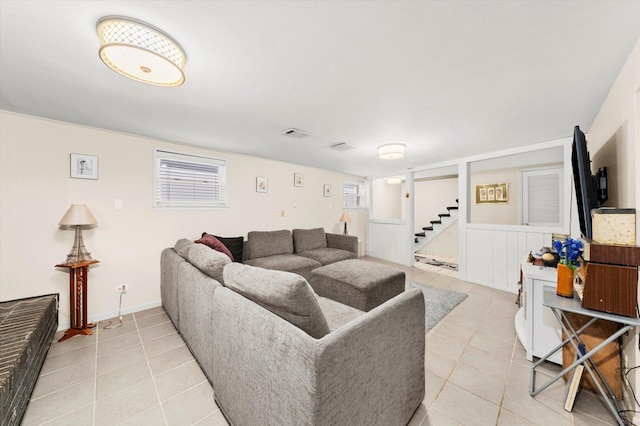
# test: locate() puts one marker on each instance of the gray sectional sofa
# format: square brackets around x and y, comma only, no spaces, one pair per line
[300,251]
[277,353]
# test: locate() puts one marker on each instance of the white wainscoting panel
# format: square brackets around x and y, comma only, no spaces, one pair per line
[494,253]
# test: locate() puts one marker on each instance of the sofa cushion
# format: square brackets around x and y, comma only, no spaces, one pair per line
[269,243]
[309,239]
[287,295]
[214,243]
[209,261]
[183,246]
[235,246]
[328,255]
[336,313]
[287,262]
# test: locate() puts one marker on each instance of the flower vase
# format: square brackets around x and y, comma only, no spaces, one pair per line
[565,281]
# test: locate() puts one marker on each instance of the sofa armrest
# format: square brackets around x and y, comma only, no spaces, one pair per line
[370,371]
[344,242]
[378,358]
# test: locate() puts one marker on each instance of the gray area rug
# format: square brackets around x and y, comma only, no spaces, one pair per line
[438,302]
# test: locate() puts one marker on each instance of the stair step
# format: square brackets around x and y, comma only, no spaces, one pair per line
[415,240]
[427,228]
[420,234]
[435,221]
[452,208]
[444,215]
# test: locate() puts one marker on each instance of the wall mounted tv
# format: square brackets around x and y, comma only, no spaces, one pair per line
[591,191]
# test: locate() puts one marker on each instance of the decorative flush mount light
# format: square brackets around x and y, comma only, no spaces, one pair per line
[394,180]
[391,151]
[140,51]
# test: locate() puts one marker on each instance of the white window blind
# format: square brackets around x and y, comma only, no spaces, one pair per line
[354,194]
[189,181]
[542,197]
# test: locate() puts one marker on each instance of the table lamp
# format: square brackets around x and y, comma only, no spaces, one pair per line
[346,219]
[77,216]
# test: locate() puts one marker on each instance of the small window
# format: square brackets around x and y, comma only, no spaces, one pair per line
[189,181]
[354,194]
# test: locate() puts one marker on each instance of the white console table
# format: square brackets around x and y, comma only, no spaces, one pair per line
[536,327]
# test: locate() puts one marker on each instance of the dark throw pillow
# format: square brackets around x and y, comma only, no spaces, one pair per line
[235,246]
[214,243]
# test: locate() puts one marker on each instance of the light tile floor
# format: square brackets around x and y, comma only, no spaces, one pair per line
[143,374]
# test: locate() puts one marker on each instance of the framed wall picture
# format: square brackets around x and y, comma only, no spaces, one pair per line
[262,184]
[492,193]
[84,166]
[327,190]
[298,179]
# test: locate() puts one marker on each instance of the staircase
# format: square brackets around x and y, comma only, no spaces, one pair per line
[437,226]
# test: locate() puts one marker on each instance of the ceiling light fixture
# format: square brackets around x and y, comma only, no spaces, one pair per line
[391,151]
[140,51]
[394,180]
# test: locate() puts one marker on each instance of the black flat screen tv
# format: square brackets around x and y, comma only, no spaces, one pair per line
[591,191]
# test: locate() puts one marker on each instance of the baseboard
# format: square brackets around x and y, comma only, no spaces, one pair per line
[108,315]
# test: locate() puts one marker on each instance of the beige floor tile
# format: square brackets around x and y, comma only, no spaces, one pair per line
[589,405]
[178,380]
[69,359]
[418,416]
[215,419]
[486,362]
[122,378]
[107,347]
[152,320]
[111,333]
[76,342]
[191,406]
[465,407]
[117,360]
[433,386]
[453,332]
[490,343]
[156,331]
[63,378]
[153,416]
[169,360]
[80,417]
[162,344]
[59,403]
[149,312]
[123,405]
[507,418]
[449,348]
[436,417]
[477,382]
[438,364]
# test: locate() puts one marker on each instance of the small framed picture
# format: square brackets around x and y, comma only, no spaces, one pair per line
[298,179]
[84,166]
[262,184]
[327,190]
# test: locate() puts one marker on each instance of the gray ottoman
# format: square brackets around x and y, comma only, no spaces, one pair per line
[357,283]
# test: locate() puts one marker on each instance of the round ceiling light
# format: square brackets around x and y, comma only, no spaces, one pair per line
[394,180]
[391,151]
[140,51]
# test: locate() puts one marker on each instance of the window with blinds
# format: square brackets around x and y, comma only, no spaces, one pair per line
[189,181]
[354,194]
[542,197]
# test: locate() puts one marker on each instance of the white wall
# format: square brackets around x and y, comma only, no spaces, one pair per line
[36,190]
[432,197]
[387,202]
[613,142]
[496,213]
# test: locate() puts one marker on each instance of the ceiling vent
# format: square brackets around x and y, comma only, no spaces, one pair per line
[295,133]
[342,146]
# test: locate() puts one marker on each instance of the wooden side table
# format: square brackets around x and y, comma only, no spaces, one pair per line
[78,280]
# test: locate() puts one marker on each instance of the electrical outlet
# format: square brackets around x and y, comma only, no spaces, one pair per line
[121,289]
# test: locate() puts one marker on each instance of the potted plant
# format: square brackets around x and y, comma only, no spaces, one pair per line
[569,251]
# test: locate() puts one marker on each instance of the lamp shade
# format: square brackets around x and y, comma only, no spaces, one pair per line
[391,151]
[345,218]
[140,51]
[78,214]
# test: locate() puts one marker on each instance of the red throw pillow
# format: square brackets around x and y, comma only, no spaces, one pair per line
[214,243]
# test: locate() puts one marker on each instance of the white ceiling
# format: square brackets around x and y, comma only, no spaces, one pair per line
[448,78]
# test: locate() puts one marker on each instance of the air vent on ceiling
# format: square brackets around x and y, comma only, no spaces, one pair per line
[342,146]
[295,133]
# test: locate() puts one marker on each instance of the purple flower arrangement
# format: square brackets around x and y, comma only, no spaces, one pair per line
[569,251]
